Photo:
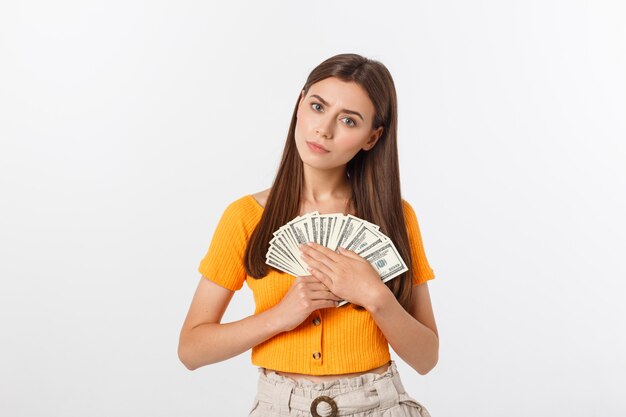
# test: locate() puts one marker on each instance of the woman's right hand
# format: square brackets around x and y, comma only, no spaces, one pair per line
[305,295]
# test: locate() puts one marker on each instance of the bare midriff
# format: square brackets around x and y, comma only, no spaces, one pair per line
[323,378]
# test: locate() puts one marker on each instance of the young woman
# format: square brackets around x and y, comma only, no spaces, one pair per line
[313,357]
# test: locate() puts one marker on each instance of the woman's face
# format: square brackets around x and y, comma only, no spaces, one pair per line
[334,122]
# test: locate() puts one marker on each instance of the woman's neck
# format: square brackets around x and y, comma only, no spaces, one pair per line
[321,186]
[326,191]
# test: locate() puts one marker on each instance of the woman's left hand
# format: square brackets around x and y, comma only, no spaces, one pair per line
[345,274]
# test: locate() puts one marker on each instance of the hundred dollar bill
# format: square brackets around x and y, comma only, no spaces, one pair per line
[348,229]
[328,223]
[365,238]
[386,260]
[351,227]
[280,247]
[334,234]
[279,266]
[292,241]
[324,230]
[301,228]
[277,254]
[315,229]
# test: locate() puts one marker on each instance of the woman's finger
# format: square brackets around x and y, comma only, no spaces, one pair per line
[325,279]
[323,304]
[323,250]
[317,264]
[316,253]
[349,253]
[317,286]
[323,295]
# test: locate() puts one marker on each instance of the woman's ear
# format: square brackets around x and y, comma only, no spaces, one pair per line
[373,139]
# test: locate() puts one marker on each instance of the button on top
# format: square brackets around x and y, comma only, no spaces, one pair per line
[316,321]
[317,355]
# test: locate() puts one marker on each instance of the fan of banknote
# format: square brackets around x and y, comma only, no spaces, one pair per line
[334,231]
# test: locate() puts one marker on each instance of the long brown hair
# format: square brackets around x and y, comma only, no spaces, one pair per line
[374,175]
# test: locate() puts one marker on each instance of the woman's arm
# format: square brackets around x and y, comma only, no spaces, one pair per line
[413,336]
[204,340]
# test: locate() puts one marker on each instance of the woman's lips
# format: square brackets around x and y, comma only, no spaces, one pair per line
[316,148]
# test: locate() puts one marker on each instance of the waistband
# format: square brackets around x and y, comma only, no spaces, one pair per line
[338,397]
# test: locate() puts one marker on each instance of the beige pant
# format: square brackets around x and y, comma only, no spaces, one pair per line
[369,394]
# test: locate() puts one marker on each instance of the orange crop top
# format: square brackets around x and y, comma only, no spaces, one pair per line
[332,340]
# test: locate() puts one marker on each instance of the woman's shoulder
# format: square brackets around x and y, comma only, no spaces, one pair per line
[241,214]
[248,202]
[261,197]
[407,207]
[247,207]
[410,216]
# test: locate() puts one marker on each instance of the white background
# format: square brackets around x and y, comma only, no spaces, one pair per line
[126,128]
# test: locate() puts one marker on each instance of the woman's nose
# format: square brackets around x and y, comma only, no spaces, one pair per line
[325,128]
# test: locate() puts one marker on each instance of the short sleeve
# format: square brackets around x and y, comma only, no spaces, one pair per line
[223,262]
[422,271]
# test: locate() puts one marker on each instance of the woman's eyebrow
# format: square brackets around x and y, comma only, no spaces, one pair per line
[325,103]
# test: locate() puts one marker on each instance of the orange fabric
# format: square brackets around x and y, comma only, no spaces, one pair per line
[345,340]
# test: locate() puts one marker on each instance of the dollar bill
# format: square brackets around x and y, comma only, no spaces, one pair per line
[333,230]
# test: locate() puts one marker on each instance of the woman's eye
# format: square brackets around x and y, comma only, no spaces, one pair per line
[351,122]
[315,104]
